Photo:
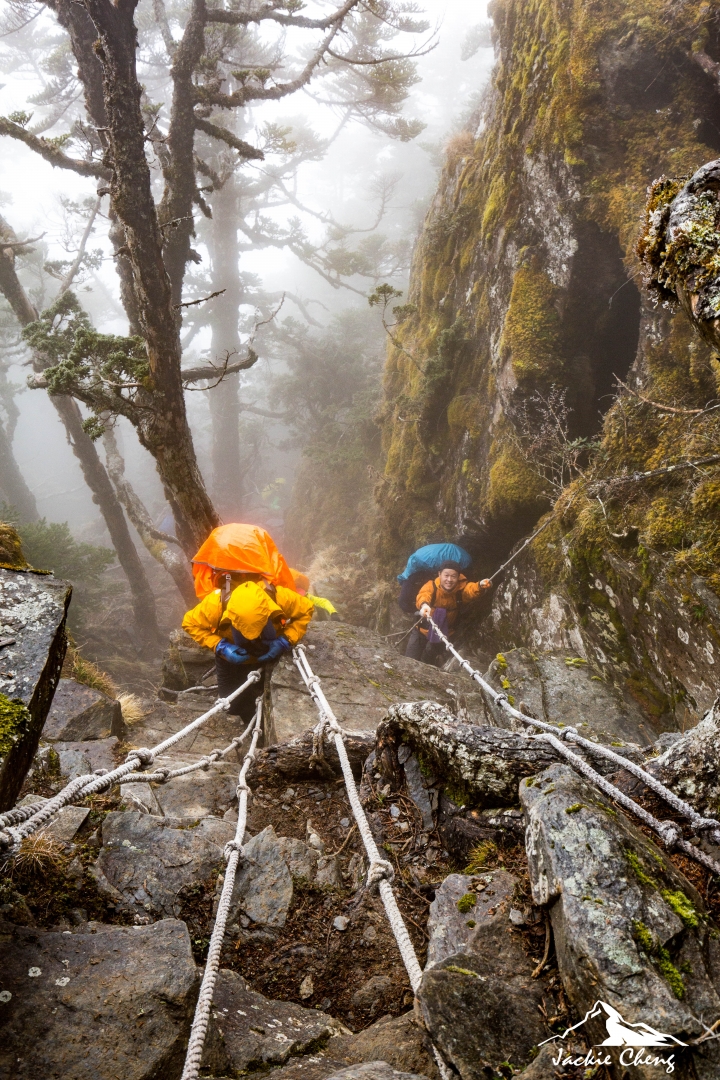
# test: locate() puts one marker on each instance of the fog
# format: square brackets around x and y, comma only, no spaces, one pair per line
[339,186]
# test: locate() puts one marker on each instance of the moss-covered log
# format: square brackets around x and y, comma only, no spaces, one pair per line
[476,766]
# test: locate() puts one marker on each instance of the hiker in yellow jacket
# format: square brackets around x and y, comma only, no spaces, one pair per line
[302,586]
[256,626]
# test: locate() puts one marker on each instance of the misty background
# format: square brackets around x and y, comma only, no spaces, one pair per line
[354,204]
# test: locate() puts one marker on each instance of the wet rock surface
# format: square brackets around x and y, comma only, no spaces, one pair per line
[461,904]
[258,1032]
[691,764]
[33,607]
[79,712]
[144,863]
[116,1001]
[480,1004]
[564,688]
[361,674]
[263,886]
[629,928]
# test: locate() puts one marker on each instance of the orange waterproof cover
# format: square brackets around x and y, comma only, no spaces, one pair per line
[236,548]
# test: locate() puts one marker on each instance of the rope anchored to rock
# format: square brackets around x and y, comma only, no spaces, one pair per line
[557,737]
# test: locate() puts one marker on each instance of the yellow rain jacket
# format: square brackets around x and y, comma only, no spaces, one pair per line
[248,610]
[321,602]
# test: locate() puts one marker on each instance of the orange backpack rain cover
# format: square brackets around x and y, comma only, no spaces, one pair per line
[239,548]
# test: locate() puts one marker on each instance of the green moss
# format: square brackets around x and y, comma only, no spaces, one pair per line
[514,486]
[531,334]
[660,956]
[639,870]
[670,973]
[14,722]
[682,907]
[466,903]
[11,553]
[574,808]
[461,970]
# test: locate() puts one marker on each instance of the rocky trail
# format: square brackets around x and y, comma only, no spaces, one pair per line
[528,895]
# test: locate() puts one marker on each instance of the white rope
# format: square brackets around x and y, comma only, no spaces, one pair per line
[380,871]
[669,832]
[233,855]
[161,776]
[12,834]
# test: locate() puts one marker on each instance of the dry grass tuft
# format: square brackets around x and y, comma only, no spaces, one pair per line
[132,708]
[84,671]
[483,853]
[38,854]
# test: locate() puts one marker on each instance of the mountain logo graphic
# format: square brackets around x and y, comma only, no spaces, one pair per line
[619,1031]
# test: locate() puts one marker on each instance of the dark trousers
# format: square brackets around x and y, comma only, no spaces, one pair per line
[418,648]
[229,677]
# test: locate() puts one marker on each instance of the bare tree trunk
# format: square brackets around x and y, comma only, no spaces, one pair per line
[224,399]
[163,428]
[98,481]
[92,467]
[160,546]
[12,481]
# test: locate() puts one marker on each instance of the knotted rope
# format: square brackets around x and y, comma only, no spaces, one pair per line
[380,872]
[233,855]
[557,737]
[12,833]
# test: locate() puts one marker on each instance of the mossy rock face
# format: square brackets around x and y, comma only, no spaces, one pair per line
[11,553]
[528,246]
[14,722]
[629,928]
[32,631]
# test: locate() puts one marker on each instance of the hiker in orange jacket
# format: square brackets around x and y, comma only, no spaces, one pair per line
[441,599]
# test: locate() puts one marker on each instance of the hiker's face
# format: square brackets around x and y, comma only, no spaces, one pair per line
[449,579]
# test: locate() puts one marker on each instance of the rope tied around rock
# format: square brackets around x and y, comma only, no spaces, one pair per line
[669,832]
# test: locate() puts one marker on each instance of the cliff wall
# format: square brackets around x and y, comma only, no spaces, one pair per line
[526,307]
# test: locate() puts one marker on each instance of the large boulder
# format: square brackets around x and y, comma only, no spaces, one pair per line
[460,902]
[691,765]
[631,932]
[114,1001]
[480,1005]
[80,712]
[565,688]
[394,1047]
[360,674]
[33,607]
[263,887]
[258,1032]
[144,863]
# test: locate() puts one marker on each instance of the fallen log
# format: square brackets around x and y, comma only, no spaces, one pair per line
[294,759]
[476,766]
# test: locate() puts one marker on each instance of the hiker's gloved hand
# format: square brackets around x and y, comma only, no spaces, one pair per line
[486,583]
[277,647]
[425,610]
[232,653]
